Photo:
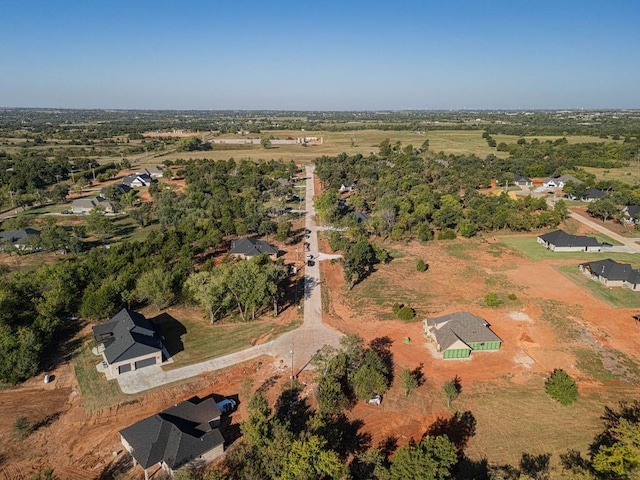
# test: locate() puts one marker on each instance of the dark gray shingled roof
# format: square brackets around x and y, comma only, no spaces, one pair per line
[614,271]
[461,326]
[14,236]
[175,435]
[131,336]
[251,247]
[561,239]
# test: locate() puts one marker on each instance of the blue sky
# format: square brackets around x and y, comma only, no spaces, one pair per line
[328,55]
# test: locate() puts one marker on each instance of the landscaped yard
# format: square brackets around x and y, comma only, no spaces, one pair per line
[193,340]
[529,247]
[615,296]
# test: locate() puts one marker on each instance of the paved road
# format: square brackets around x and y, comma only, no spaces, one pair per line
[299,345]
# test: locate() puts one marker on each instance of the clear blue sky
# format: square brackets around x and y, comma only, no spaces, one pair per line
[325,55]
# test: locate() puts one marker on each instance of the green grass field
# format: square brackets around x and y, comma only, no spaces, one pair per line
[529,247]
[202,341]
[630,174]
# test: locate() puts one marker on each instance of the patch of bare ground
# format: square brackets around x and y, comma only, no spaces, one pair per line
[551,323]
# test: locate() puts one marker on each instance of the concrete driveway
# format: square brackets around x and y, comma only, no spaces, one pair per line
[298,345]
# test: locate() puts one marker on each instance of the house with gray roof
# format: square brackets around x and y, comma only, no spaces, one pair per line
[612,273]
[23,238]
[250,247]
[559,182]
[84,206]
[457,334]
[560,241]
[592,194]
[631,214]
[186,433]
[522,181]
[127,342]
[137,180]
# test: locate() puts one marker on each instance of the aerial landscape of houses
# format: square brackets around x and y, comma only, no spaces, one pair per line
[320,241]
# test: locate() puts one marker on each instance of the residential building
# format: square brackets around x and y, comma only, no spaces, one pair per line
[127,342]
[22,239]
[457,334]
[184,434]
[559,241]
[612,274]
[250,247]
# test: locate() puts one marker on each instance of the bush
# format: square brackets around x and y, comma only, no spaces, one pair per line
[396,307]
[467,229]
[561,387]
[406,313]
[421,266]
[512,296]
[493,300]
[21,428]
[446,234]
[424,233]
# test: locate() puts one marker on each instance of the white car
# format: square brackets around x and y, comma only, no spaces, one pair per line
[375,400]
[309,256]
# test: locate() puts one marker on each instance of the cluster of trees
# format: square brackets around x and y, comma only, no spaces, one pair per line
[221,198]
[248,286]
[411,196]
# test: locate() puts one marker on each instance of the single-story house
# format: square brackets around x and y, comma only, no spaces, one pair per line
[155,171]
[137,180]
[83,206]
[631,213]
[592,194]
[121,189]
[249,247]
[560,181]
[457,334]
[128,342]
[186,433]
[559,241]
[22,239]
[522,181]
[612,273]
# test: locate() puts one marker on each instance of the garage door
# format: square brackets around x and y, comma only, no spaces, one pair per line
[124,368]
[146,362]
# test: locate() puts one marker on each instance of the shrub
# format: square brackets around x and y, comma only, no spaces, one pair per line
[21,428]
[421,266]
[512,296]
[406,313]
[424,233]
[561,387]
[493,300]
[446,234]
[396,307]
[467,229]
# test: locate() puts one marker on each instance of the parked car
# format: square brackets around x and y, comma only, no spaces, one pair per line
[66,212]
[227,405]
[375,400]
[309,256]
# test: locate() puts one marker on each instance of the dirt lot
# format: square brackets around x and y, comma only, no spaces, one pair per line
[552,323]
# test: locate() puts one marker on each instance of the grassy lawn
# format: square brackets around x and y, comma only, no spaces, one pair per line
[193,341]
[97,392]
[514,416]
[617,297]
[630,174]
[529,247]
